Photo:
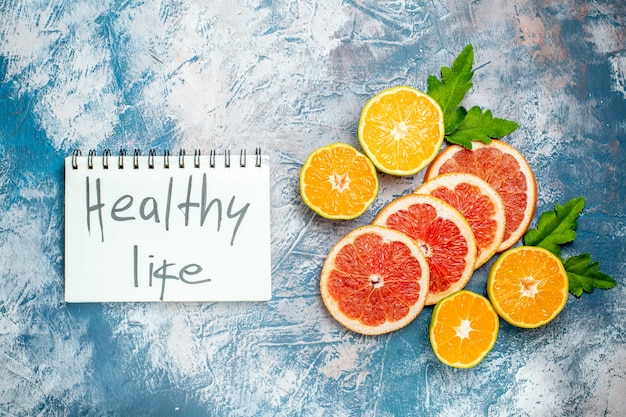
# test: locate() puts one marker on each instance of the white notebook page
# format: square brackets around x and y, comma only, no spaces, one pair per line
[145,232]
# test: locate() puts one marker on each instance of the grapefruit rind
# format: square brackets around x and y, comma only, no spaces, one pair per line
[444,211]
[366,203]
[452,180]
[387,235]
[434,322]
[531,193]
[499,305]
[365,142]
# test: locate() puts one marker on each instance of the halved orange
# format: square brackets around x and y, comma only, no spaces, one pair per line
[374,280]
[528,286]
[463,329]
[443,234]
[506,170]
[478,202]
[401,130]
[338,182]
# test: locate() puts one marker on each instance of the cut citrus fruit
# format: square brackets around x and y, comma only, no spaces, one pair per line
[443,234]
[374,280]
[463,329]
[338,182]
[478,202]
[401,130]
[506,170]
[528,286]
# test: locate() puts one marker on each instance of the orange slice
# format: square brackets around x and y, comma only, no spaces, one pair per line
[374,280]
[528,286]
[443,234]
[401,130]
[478,202]
[506,170]
[338,182]
[463,329]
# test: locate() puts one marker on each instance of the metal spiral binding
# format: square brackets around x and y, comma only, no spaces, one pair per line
[136,159]
[257,153]
[166,158]
[90,156]
[196,158]
[152,156]
[120,159]
[75,156]
[212,158]
[105,158]
[181,158]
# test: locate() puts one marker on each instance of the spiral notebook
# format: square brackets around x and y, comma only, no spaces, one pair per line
[160,227]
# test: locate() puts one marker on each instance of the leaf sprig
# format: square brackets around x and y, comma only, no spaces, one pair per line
[558,227]
[463,126]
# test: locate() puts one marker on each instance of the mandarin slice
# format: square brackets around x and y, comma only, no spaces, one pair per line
[463,329]
[528,286]
[338,182]
[401,130]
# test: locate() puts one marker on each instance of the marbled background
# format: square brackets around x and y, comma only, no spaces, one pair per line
[291,76]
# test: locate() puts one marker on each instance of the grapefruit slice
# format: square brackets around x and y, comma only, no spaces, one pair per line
[478,202]
[463,329]
[443,234]
[401,130]
[506,170]
[374,280]
[528,286]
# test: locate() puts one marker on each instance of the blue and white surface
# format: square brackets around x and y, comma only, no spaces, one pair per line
[291,76]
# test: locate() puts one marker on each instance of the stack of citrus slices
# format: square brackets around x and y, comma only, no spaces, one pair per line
[423,248]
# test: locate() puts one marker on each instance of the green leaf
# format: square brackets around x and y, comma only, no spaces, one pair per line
[480,126]
[584,275]
[556,227]
[454,120]
[454,84]
[461,126]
